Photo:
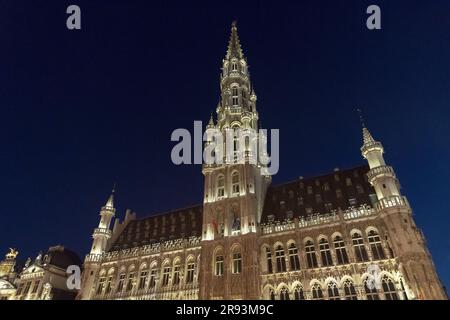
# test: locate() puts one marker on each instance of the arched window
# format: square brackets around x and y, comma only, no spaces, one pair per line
[311,254]
[293,257]
[341,252]
[237,262]
[121,282]
[219,267]
[390,293]
[317,293]
[166,275]
[143,278]
[280,259]
[153,273]
[234,66]
[176,273]
[130,281]
[284,294]
[108,286]
[269,260]
[359,247]
[234,96]
[375,245]
[190,270]
[325,253]
[220,186]
[101,284]
[235,183]
[298,293]
[371,291]
[333,291]
[349,290]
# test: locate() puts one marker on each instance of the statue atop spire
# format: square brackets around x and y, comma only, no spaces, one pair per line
[234,45]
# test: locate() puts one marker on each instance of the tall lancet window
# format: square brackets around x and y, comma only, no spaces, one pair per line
[235,183]
[375,245]
[280,258]
[235,97]
[220,186]
[325,252]
[341,253]
[293,257]
[359,247]
[311,254]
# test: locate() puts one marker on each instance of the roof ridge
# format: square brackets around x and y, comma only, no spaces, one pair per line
[317,176]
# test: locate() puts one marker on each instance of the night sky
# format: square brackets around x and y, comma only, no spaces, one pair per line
[82,109]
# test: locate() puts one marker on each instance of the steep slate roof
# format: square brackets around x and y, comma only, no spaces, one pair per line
[322,197]
[62,257]
[291,198]
[176,224]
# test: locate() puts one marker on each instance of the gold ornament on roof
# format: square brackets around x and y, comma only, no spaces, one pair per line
[12,254]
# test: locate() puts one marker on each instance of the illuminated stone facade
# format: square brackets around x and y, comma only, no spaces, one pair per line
[43,278]
[314,238]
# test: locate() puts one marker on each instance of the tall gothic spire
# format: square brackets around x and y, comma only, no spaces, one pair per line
[234,45]
[110,202]
[367,137]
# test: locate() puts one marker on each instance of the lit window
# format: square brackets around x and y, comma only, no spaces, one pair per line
[311,254]
[348,182]
[333,291]
[121,282]
[349,290]
[235,97]
[166,276]
[152,281]
[317,293]
[190,272]
[221,186]
[269,260]
[338,193]
[176,274]
[298,293]
[360,249]
[293,257]
[280,259]
[35,287]
[130,282]
[390,293]
[341,252]
[309,189]
[325,253]
[235,183]
[219,265]
[108,284]
[142,279]
[237,262]
[101,284]
[375,245]
[352,201]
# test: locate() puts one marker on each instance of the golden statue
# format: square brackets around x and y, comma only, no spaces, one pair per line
[12,254]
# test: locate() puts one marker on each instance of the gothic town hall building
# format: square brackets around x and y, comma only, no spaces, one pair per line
[349,234]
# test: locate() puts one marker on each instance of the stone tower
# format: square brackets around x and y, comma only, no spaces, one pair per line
[407,240]
[100,237]
[234,190]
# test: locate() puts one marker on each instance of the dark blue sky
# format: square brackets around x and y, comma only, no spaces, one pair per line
[82,109]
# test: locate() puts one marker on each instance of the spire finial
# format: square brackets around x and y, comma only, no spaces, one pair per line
[110,202]
[234,45]
[361,117]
